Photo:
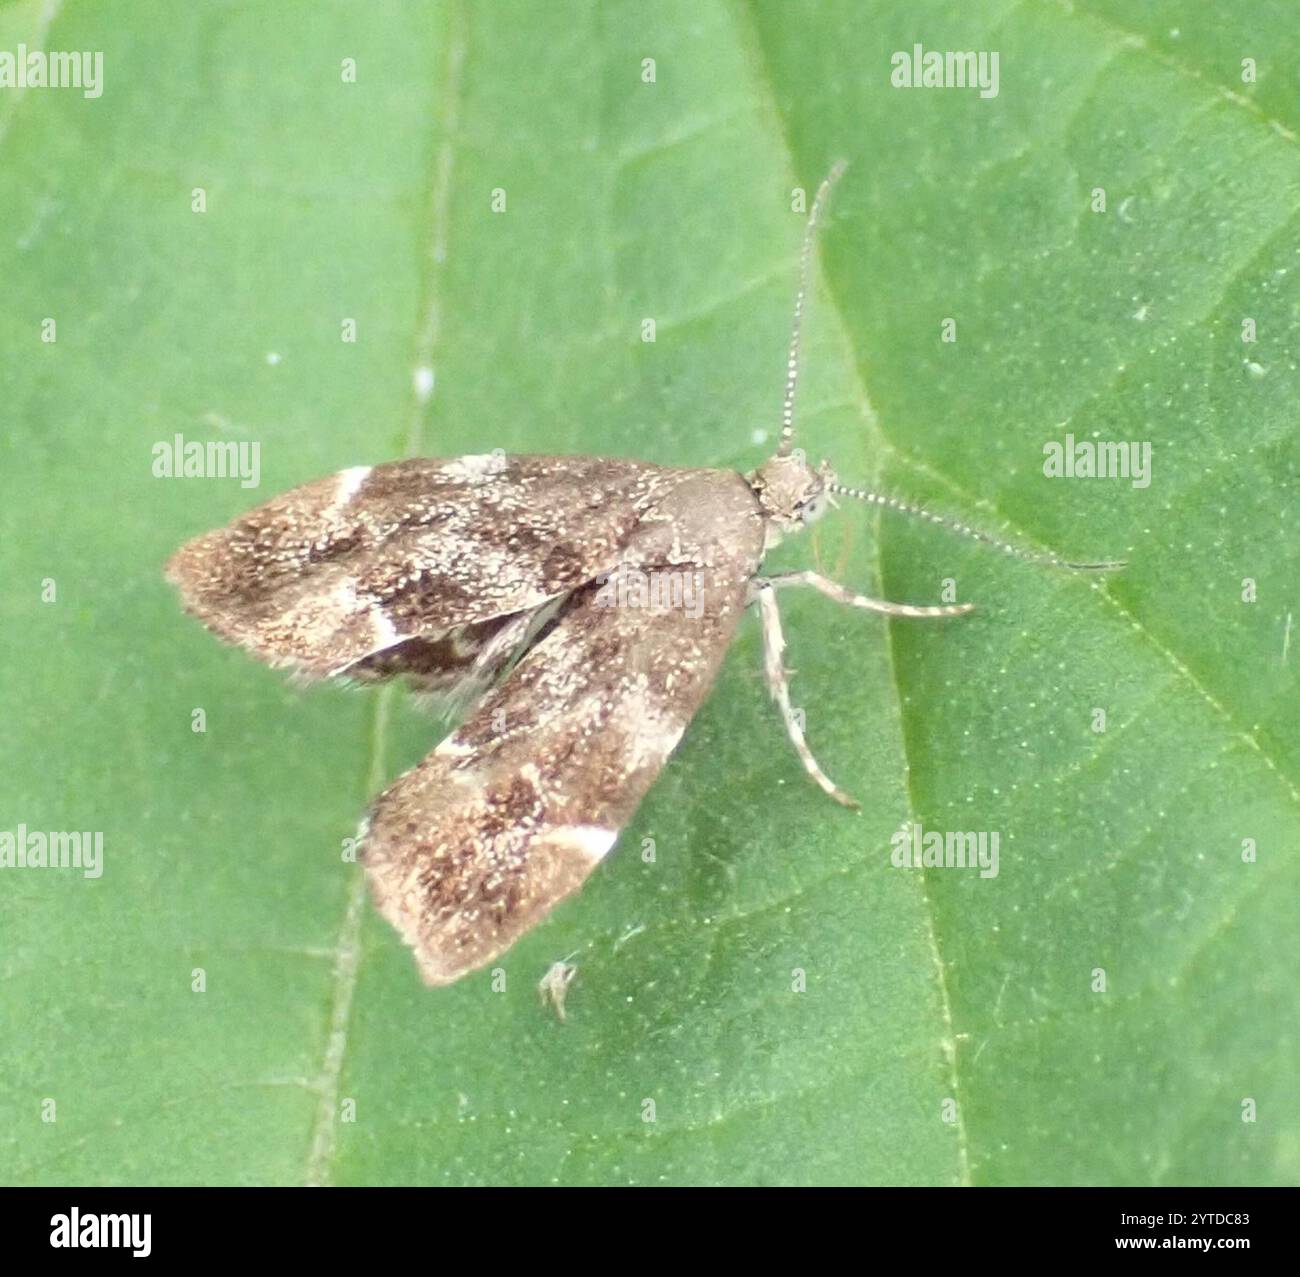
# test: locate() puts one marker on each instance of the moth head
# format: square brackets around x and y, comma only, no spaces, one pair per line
[791,493]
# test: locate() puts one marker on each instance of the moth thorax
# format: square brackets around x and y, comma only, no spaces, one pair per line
[791,493]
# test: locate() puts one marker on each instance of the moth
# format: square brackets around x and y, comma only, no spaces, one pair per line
[487,579]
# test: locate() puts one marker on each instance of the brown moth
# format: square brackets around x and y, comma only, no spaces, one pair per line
[550,595]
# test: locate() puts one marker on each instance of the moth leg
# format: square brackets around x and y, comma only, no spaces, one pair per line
[833,590]
[778,684]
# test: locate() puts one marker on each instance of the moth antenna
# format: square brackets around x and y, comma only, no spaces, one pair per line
[964,529]
[800,301]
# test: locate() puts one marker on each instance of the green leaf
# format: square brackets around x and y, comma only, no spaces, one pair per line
[952,1029]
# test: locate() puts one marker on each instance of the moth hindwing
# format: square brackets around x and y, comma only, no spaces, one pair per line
[579,606]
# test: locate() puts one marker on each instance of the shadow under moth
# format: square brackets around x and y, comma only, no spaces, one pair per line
[549,596]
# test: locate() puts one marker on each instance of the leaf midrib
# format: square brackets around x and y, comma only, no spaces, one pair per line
[322,1149]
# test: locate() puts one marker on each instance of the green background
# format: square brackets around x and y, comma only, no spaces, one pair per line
[949,1031]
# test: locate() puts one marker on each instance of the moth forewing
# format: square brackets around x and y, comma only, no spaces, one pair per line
[512,812]
[408,567]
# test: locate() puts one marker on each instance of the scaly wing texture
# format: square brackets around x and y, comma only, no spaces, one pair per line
[411,567]
[510,814]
